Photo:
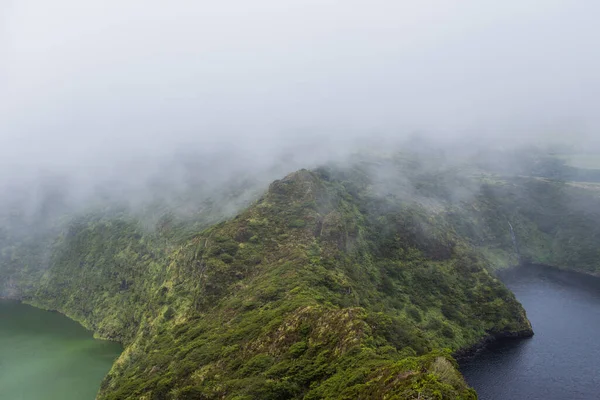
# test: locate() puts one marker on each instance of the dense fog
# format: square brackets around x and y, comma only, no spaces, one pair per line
[110,97]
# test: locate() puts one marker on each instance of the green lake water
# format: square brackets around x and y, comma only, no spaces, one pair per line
[46,356]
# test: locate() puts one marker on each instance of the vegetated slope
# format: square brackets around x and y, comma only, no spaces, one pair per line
[324,288]
[555,223]
[553,208]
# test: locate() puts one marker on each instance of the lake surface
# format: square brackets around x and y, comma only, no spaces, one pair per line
[562,360]
[46,356]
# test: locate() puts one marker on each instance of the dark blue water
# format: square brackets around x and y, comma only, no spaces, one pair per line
[562,360]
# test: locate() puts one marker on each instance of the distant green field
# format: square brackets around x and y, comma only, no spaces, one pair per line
[585,161]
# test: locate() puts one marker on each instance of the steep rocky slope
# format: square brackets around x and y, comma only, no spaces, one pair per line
[326,287]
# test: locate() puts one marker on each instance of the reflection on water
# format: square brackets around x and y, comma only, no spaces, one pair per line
[562,360]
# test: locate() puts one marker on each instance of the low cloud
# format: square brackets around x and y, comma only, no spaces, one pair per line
[109,90]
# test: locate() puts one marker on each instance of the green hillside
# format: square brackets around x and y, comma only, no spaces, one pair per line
[343,282]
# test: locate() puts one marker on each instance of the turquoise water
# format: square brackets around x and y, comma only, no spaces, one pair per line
[46,356]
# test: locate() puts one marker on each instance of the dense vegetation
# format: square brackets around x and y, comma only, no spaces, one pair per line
[343,282]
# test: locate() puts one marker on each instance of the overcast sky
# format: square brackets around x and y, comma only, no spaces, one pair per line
[86,82]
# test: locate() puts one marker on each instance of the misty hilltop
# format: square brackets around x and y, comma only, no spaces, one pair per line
[359,278]
[294,200]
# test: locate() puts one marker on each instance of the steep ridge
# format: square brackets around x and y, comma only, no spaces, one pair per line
[321,289]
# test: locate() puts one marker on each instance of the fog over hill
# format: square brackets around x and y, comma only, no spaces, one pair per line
[108,94]
[303,199]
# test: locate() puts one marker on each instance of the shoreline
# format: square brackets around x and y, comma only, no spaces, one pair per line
[466,354]
[95,334]
[498,271]
[572,272]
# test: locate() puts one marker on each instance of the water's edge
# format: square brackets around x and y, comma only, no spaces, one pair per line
[95,334]
[463,355]
[466,354]
[560,361]
[54,355]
